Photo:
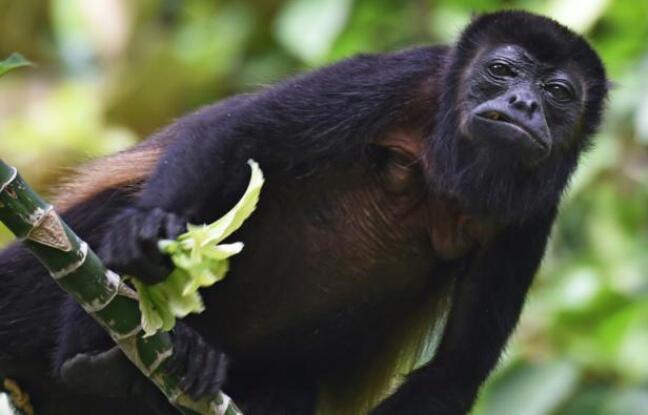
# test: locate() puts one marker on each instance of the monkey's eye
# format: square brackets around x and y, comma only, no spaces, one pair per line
[559,91]
[501,70]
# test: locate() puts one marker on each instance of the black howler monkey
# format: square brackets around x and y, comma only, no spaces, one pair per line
[395,182]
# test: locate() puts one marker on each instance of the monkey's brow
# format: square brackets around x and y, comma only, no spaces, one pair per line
[528,58]
[522,56]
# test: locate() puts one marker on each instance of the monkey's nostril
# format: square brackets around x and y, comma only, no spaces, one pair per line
[512,99]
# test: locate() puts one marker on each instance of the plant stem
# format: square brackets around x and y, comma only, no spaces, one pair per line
[101,293]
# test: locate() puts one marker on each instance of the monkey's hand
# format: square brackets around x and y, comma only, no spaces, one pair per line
[202,366]
[130,244]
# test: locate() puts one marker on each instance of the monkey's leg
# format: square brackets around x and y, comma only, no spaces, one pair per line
[486,305]
[110,374]
[89,364]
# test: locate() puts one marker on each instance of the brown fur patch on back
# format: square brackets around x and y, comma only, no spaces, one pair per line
[122,170]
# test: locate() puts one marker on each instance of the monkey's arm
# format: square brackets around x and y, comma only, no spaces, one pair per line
[311,122]
[486,304]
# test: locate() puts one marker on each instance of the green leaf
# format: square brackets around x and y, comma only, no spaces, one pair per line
[15,60]
[200,260]
[628,402]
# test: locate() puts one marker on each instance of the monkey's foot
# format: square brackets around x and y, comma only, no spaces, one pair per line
[202,367]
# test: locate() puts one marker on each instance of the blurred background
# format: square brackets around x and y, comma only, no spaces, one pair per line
[110,72]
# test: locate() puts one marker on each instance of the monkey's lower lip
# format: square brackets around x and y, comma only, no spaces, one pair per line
[498,117]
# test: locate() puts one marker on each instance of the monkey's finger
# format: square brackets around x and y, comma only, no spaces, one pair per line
[213,375]
[150,226]
[174,226]
[204,379]
[155,225]
[195,366]
[182,340]
[115,252]
[147,271]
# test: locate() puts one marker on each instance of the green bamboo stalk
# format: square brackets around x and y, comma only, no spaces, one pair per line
[78,270]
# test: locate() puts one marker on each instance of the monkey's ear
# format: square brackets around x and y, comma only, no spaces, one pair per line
[397,155]
[408,142]
[612,84]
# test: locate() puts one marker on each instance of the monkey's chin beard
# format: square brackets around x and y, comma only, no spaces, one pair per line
[487,182]
[511,142]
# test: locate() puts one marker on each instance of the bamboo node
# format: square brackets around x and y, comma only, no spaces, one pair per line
[49,231]
[83,254]
[12,177]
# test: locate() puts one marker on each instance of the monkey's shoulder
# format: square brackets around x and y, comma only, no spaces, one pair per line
[454,232]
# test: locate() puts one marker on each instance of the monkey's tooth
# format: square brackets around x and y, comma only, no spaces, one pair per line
[493,115]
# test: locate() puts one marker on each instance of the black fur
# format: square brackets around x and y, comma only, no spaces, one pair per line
[313,136]
[487,301]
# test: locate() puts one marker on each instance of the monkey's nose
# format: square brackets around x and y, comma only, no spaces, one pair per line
[524,102]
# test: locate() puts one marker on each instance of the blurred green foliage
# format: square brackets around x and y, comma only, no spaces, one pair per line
[112,71]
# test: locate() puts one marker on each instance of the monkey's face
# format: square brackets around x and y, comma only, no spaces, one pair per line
[519,107]
[521,98]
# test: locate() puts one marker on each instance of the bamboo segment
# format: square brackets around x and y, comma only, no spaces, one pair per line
[101,293]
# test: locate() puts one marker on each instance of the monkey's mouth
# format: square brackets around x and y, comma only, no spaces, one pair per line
[501,118]
[495,116]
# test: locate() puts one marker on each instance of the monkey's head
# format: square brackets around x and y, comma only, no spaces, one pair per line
[521,97]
